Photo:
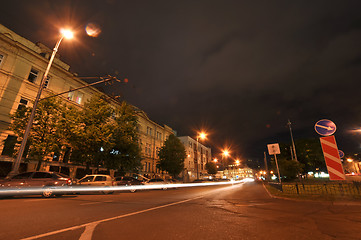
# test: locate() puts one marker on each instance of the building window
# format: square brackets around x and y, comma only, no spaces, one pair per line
[148,149]
[71,94]
[33,75]
[79,97]
[149,131]
[46,81]
[23,103]
[9,145]
[159,135]
[1,58]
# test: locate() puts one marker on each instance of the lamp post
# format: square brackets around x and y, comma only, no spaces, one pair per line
[236,165]
[201,135]
[225,154]
[64,34]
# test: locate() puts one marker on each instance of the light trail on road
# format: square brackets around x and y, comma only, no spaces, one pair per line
[90,226]
[81,189]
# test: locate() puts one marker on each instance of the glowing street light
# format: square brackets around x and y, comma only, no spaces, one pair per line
[64,34]
[215,160]
[350,160]
[225,153]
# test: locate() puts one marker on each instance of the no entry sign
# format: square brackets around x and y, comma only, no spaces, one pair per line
[332,158]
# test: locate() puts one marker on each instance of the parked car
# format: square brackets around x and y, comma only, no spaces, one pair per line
[43,183]
[157,181]
[97,180]
[128,181]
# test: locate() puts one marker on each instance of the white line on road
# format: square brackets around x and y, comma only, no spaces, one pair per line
[90,203]
[88,233]
[36,200]
[107,219]
[89,229]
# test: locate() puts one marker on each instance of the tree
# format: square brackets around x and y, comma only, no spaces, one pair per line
[90,133]
[102,135]
[124,151]
[289,168]
[309,152]
[46,135]
[211,168]
[171,156]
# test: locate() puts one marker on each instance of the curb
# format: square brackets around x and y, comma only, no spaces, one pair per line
[346,203]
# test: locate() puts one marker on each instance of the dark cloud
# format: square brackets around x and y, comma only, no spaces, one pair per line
[238,68]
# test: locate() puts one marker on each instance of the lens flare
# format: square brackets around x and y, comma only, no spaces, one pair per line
[93,30]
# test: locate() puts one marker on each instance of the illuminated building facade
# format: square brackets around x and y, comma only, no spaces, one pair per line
[22,66]
[202,155]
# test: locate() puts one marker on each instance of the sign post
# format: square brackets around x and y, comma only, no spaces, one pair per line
[274,149]
[330,151]
[332,158]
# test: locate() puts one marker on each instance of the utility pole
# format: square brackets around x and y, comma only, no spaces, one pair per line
[293,143]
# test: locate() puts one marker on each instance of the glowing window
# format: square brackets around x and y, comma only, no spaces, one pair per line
[79,97]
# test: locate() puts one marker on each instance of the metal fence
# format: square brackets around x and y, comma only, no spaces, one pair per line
[352,189]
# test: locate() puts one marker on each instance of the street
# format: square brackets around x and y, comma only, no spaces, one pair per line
[240,211]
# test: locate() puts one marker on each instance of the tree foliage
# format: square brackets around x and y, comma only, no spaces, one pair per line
[106,136]
[211,168]
[46,135]
[99,134]
[171,156]
[93,132]
[124,151]
[289,168]
[309,152]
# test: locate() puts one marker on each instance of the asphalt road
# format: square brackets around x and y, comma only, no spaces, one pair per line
[242,211]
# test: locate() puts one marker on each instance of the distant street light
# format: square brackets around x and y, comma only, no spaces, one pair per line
[225,153]
[202,136]
[64,34]
[350,160]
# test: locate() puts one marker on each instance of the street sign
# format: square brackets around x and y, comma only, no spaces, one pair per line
[273,149]
[342,154]
[332,158]
[325,127]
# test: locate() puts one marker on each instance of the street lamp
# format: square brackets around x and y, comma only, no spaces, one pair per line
[225,153]
[237,162]
[65,33]
[202,136]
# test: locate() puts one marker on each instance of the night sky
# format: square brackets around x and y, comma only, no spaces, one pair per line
[237,69]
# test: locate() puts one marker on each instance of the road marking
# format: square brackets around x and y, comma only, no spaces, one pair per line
[89,229]
[107,219]
[88,233]
[36,200]
[90,203]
